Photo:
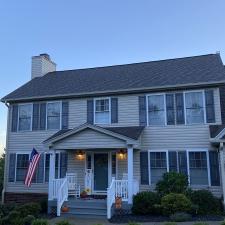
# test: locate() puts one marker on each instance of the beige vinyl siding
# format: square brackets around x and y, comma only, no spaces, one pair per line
[89,139]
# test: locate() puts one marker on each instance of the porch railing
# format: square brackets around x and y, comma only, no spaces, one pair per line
[62,195]
[59,191]
[111,191]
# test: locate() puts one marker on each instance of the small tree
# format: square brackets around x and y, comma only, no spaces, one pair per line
[2,165]
[172,182]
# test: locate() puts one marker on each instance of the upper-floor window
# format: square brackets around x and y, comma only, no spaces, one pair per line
[102,111]
[194,107]
[156,110]
[25,115]
[53,115]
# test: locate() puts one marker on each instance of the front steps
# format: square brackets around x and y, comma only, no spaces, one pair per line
[86,208]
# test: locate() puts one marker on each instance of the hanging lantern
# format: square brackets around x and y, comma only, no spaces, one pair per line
[122,154]
[80,155]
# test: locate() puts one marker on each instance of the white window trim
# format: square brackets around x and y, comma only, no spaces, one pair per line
[165,112]
[60,120]
[208,166]
[204,108]
[149,162]
[103,98]
[18,117]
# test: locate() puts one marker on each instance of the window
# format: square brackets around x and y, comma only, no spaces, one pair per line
[194,107]
[22,163]
[53,115]
[102,111]
[25,112]
[198,168]
[156,110]
[158,166]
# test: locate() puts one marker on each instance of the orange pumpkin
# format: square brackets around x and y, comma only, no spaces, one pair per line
[65,209]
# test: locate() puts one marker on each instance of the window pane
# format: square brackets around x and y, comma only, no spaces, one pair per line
[102,105]
[102,117]
[158,166]
[156,115]
[25,117]
[198,168]
[53,115]
[22,166]
[194,107]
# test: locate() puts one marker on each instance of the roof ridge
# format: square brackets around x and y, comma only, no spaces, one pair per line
[128,64]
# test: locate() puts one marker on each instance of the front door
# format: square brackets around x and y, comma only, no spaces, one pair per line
[100,171]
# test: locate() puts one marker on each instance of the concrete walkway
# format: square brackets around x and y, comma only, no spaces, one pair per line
[81,221]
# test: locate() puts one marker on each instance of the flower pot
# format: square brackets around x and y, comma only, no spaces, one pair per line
[118,202]
[65,209]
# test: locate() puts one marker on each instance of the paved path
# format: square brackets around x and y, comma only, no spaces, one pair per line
[79,221]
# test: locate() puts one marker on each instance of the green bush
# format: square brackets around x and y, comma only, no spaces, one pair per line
[205,202]
[145,202]
[63,222]
[173,203]
[28,220]
[133,223]
[40,222]
[5,209]
[29,209]
[172,182]
[180,217]
[44,205]
[223,223]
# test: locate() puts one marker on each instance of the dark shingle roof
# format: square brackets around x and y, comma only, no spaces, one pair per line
[215,130]
[130,132]
[187,71]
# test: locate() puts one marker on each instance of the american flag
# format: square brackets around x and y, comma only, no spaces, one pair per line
[34,158]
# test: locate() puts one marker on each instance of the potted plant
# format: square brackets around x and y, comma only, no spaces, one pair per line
[65,208]
[83,194]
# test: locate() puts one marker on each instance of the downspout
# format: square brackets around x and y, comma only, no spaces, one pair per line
[6,153]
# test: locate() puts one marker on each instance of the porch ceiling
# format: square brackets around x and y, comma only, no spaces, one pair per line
[91,136]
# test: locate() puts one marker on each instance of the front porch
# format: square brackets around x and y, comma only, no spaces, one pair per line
[99,162]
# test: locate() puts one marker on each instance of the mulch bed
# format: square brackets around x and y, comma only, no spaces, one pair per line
[150,218]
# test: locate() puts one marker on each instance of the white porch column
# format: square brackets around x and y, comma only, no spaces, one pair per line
[130,173]
[222,168]
[51,174]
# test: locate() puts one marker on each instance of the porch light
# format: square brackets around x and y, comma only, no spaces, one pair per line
[122,154]
[80,155]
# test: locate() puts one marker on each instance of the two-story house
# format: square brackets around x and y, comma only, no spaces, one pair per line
[113,131]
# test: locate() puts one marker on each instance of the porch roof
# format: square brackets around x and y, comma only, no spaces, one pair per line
[217,133]
[128,134]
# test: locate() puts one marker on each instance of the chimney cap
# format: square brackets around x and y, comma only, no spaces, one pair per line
[47,56]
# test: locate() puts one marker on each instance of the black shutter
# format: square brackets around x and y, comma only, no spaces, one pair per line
[42,116]
[182,158]
[222,102]
[12,167]
[214,168]
[144,168]
[63,164]
[39,174]
[65,115]
[142,111]
[90,111]
[170,109]
[209,104]
[114,110]
[173,161]
[179,108]
[36,116]
[14,118]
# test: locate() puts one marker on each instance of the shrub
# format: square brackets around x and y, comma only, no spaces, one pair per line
[29,209]
[205,202]
[172,182]
[223,223]
[173,203]
[40,222]
[201,223]
[5,209]
[44,205]
[63,222]
[133,223]
[144,203]
[180,217]
[28,220]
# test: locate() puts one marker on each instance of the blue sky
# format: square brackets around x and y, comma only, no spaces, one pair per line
[81,33]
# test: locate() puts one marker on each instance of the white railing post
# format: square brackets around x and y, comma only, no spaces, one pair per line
[130,173]
[51,175]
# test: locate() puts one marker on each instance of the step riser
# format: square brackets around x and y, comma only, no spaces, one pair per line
[83,216]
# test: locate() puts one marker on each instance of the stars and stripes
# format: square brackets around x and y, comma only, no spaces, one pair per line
[34,159]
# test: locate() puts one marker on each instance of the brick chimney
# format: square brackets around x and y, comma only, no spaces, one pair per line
[41,65]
